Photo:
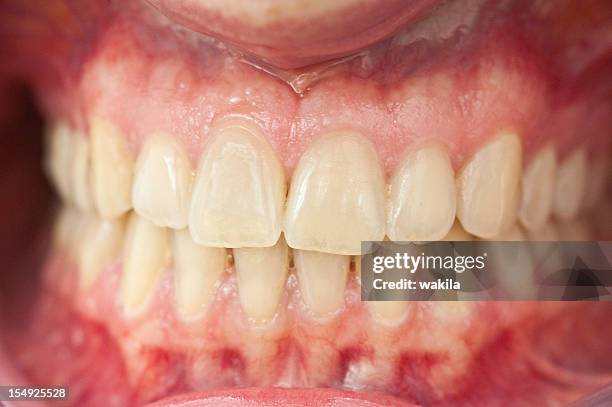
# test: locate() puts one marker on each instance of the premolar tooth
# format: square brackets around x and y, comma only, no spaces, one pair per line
[146,253]
[101,245]
[538,189]
[162,183]
[322,278]
[569,190]
[239,191]
[261,273]
[488,187]
[422,197]
[197,270]
[81,193]
[598,179]
[337,196]
[112,169]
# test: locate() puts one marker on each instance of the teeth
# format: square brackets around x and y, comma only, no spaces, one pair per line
[162,183]
[59,158]
[422,197]
[547,233]
[261,273]
[575,230]
[112,169]
[514,234]
[457,234]
[569,190]
[146,253]
[488,187]
[239,191]
[337,196]
[101,245]
[538,189]
[81,194]
[322,278]
[197,271]
[599,175]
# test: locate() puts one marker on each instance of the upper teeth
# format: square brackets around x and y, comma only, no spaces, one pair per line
[337,194]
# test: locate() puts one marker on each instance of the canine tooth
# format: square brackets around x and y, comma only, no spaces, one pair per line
[457,234]
[488,187]
[569,190]
[337,196]
[162,183]
[322,278]
[59,158]
[538,189]
[547,233]
[146,253]
[112,169]
[197,270]
[81,193]
[101,244]
[239,191]
[599,175]
[261,272]
[422,197]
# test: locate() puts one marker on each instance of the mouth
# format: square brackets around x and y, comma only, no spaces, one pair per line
[189,182]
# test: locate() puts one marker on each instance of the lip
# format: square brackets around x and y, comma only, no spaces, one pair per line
[276,396]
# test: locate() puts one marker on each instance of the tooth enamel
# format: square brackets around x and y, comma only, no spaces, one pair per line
[101,245]
[59,157]
[197,271]
[146,253]
[422,197]
[112,169]
[538,189]
[162,183]
[322,278]
[488,187]
[457,234]
[261,273]
[81,193]
[239,191]
[599,175]
[576,230]
[336,198]
[569,190]
[547,233]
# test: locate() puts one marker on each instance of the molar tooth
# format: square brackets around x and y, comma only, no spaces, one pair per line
[261,272]
[101,245]
[322,278]
[197,271]
[337,196]
[112,169]
[81,193]
[569,190]
[162,183]
[146,253]
[422,197]
[488,187]
[239,191]
[599,176]
[538,189]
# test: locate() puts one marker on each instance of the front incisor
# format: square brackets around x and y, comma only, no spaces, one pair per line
[239,191]
[488,187]
[337,196]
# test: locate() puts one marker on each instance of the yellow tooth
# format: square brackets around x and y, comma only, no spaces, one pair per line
[488,187]
[261,273]
[322,278]
[81,193]
[337,197]
[457,234]
[146,254]
[59,158]
[112,169]
[599,177]
[570,187]
[197,270]
[538,189]
[162,183]
[101,245]
[239,191]
[422,197]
